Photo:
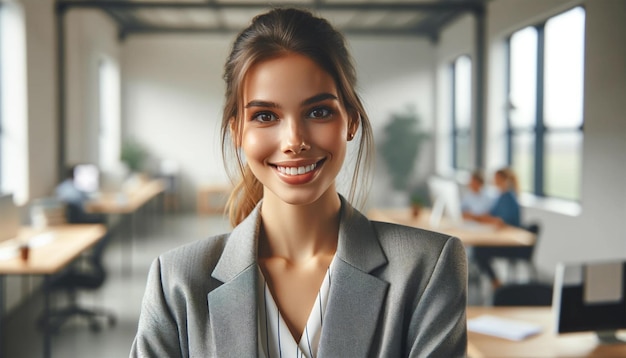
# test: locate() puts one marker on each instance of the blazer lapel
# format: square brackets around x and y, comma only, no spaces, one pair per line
[233,316]
[356,297]
[233,305]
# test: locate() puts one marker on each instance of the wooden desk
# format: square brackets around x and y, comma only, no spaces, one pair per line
[68,242]
[505,236]
[546,344]
[211,199]
[127,203]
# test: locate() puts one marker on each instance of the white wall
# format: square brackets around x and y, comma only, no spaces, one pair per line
[91,35]
[596,231]
[173,96]
[172,103]
[395,73]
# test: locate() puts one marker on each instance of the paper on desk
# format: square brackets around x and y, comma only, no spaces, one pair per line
[501,327]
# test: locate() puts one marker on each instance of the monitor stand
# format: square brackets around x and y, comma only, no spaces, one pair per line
[609,337]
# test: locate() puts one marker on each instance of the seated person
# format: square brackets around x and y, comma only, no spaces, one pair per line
[477,200]
[75,200]
[505,211]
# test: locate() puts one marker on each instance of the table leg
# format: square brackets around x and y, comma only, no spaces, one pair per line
[1,314]
[128,253]
[47,351]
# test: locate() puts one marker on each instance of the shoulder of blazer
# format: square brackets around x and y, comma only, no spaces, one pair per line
[409,243]
[192,264]
[389,231]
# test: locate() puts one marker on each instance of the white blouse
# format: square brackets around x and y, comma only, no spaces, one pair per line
[275,339]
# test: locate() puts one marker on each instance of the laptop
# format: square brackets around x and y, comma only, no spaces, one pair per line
[9,218]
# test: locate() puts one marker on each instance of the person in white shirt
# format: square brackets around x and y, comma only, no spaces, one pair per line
[477,200]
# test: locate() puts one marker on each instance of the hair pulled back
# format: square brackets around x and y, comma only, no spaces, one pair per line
[509,177]
[270,35]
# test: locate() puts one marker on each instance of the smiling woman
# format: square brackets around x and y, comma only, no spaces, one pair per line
[303,273]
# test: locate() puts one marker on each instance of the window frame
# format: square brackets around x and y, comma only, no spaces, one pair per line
[457,133]
[540,130]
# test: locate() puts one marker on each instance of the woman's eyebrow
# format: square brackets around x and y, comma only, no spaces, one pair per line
[319,98]
[267,104]
[258,103]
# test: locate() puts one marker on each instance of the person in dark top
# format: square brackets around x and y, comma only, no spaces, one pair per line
[75,201]
[505,211]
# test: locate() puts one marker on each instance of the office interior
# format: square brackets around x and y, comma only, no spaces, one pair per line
[170,94]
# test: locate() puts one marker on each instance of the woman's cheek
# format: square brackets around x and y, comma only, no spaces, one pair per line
[257,143]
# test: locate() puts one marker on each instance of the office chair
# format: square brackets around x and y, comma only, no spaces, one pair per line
[523,294]
[88,273]
[523,254]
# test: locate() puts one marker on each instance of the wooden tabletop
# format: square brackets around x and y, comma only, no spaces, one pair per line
[470,233]
[545,344]
[62,245]
[126,202]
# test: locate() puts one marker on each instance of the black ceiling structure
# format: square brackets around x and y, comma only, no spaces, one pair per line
[382,17]
[416,18]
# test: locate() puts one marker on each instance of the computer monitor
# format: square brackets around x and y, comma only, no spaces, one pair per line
[591,296]
[9,217]
[446,198]
[87,177]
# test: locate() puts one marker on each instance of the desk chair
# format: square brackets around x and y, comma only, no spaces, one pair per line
[88,273]
[523,294]
[524,254]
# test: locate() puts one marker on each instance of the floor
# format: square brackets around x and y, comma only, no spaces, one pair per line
[122,292]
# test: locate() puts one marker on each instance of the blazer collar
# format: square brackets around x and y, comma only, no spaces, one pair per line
[357,245]
[233,313]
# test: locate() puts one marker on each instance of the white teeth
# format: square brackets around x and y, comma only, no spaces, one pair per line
[296,170]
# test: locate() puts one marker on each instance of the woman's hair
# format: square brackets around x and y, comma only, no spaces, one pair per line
[270,35]
[509,177]
[478,176]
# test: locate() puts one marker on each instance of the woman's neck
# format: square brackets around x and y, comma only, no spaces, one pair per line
[299,233]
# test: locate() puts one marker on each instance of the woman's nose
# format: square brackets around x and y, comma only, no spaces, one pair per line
[294,137]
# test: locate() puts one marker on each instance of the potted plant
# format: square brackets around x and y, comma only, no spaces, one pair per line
[418,199]
[133,155]
[400,146]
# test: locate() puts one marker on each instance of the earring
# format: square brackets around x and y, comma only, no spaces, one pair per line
[351,136]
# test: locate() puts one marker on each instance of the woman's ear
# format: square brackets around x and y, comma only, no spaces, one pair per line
[235,133]
[353,126]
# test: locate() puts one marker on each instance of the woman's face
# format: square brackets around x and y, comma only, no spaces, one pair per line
[499,182]
[295,128]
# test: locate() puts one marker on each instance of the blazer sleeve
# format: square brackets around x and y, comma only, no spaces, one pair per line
[157,332]
[438,326]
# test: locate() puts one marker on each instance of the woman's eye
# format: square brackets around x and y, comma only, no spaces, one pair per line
[319,113]
[264,117]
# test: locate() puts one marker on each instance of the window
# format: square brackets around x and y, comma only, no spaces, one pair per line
[13,100]
[1,124]
[109,114]
[461,113]
[545,112]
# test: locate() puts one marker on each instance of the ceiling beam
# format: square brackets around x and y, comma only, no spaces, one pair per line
[433,5]
[132,30]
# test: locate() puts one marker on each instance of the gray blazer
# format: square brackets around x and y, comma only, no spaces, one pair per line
[396,292]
